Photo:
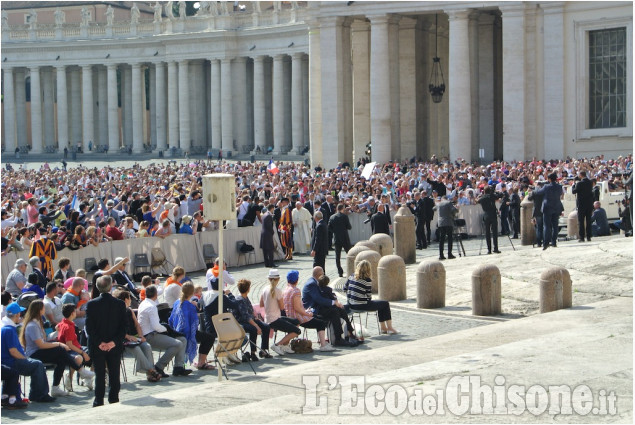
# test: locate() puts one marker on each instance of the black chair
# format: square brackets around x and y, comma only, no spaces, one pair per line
[242,253]
[140,261]
[209,253]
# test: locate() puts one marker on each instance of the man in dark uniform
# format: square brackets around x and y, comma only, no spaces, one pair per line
[266,237]
[490,218]
[379,221]
[106,329]
[551,209]
[339,225]
[429,208]
[328,209]
[536,214]
[319,241]
[583,189]
[420,217]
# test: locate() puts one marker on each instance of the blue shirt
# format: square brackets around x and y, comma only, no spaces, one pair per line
[184,319]
[185,228]
[10,340]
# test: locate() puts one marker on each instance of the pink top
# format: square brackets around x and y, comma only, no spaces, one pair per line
[289,295]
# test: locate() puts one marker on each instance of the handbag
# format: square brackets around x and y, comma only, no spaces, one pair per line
[171,332]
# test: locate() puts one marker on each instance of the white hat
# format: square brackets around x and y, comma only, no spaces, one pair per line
[274,274]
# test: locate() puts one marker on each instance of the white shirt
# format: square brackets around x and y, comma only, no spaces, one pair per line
[172,293]
[54,306]
[227,279]
[148,317]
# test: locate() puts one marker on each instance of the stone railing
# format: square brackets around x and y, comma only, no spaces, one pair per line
[231,21]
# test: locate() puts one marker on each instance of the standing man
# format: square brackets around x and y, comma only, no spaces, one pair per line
[319,242]
[286,229]
[429,207]
[301,228]
[490,218]
[447,211]
[583,189]
[327,211]
[339,225]
[379,221]
[551,209]
[266,237]
[536,214]
[106,329]
[420,217]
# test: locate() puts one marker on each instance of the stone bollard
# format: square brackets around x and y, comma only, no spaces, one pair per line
[430,285]
[405,238]
[383,242]
[527,228]
[368,244]
[373,258]
[350,258]
[486,291]
[572,225]
[391,278]
[555,289]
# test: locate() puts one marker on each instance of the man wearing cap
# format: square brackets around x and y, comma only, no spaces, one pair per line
[536,214]
[551,209]
[17,278]
[13,356]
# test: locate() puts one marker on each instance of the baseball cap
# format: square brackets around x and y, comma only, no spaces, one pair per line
[15,308]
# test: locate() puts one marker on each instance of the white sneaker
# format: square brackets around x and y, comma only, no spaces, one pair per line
[88,383]
[86,373]
[57,391]
[326,347]
[68,382]
[287,349]
[278,349]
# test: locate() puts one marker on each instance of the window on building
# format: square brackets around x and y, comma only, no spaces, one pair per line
[607,78]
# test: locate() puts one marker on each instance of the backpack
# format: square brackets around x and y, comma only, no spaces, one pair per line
[301,346]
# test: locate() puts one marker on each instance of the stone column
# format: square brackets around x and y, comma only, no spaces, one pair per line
[173,106]
[113,109]
[102,96]
[393,60]
[555,289]
[226,106]
[527,229]
[407,88]
[126,106]
[160,108]
[260,131]
[152,95]
[513,82]
[48,110]
[473,31]
[184,106]
[36,111]
[459,91]
[405,235]
[430,284]
[76,107]
[553,86]
[315,94]
[137,119]
[486,85]
[391,278]
[216,105]
[20,112]
[297,123]
[360,40]
[278,104]
[240,101]
[380,96]
[88,129]
[486,290]
[9,111]
[347,92]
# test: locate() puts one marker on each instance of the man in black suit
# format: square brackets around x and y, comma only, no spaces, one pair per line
[429,207]
[123,279]
[379,221]
[536,214]
[490,218]
[339,225]
[551,209]
[106,329]
[328,209]
[420,217]
[36,265]
[583,189]
[319,241]
[266,237]
[309,204]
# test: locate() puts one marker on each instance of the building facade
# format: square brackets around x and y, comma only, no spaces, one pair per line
[523,79]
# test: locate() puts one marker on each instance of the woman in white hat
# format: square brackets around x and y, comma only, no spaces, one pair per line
[271,301]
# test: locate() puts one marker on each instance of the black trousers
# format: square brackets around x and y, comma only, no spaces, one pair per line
[381,307]
[491,229]
[11,382]
[206,341]
[320,260]
[253,334]
[443,232]
[286,324]
[60,357]
[584,223]
[268,254]
[101,359]
[338,255]
[315,323]
[420,231]
[332,315]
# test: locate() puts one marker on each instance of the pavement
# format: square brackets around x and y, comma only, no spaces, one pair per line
[446,356]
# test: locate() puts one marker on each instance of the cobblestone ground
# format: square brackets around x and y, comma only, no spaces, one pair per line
[412,325]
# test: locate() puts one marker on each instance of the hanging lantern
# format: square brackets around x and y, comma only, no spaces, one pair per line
[436,85]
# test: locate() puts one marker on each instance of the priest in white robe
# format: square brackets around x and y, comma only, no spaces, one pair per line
[301,229]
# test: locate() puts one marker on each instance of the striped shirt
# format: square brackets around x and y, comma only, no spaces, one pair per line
[357,291]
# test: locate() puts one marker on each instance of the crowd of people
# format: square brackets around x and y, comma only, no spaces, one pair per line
[304,210]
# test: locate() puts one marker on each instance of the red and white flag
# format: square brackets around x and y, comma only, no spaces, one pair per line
[272,167]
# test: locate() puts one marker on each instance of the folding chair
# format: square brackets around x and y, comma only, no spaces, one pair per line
[90,265]
[239,245]
[209,253]
[352,312]
[159,260]
[140,261]
[231,337]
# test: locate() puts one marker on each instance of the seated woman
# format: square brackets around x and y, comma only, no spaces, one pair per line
[293,307]
[358,297]
[184,319]
[327,292]
[33,338]
[271,301]
[172,290]
[135,343]
[252,326]
[164,230]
